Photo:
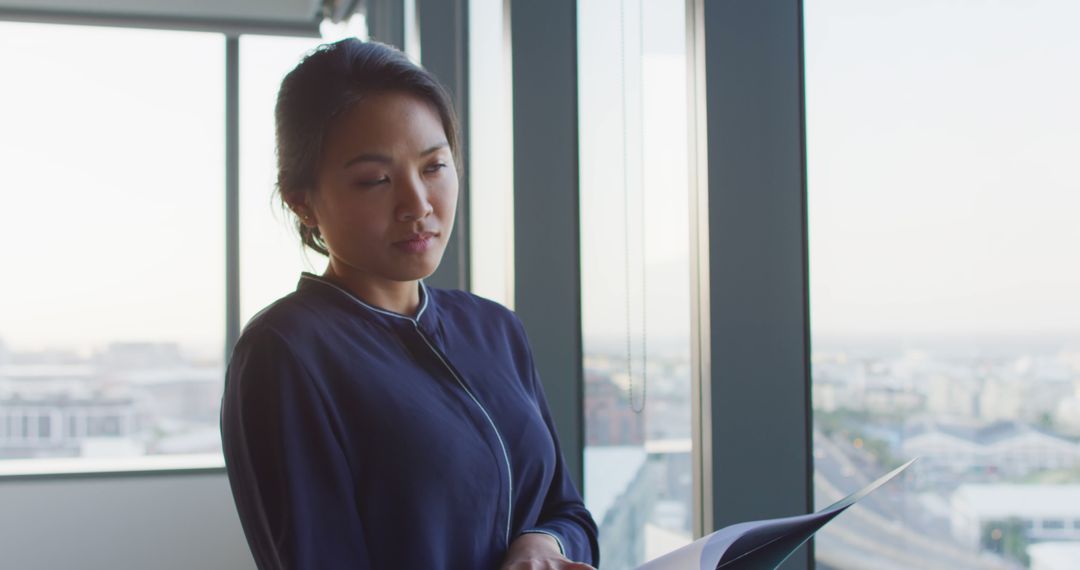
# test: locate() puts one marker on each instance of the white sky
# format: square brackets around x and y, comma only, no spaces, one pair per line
[942,137]
[112,172]
[656,150]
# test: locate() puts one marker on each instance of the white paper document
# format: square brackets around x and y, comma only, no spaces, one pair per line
[758,544]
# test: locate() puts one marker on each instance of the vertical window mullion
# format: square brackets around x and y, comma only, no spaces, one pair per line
[232,192]
[757,263]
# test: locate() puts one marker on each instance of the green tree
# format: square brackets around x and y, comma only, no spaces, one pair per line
[1007,538]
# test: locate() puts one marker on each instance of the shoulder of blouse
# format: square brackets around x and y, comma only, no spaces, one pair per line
[467,304]
[290,317]
[462,308]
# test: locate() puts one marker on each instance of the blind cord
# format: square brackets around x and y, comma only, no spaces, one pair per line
[626,215]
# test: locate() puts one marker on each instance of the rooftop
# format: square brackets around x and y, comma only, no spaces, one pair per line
[1024,501]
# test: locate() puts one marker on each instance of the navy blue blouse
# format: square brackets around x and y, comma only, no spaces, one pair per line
[359,438]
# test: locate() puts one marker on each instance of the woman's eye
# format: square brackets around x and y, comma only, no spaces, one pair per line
[374,182]
[436,167]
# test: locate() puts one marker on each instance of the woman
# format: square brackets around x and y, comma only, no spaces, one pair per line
[368,420]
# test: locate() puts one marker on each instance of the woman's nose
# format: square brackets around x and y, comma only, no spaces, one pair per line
[413,200]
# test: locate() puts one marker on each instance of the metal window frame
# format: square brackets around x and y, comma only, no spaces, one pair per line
[700,361]
[547,244]
[227,26]
[748,208]
[231,31]
[757,262]
[232,193]
[386,21]
[750,343]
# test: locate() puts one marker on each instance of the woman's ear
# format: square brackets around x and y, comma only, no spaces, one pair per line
[299,204]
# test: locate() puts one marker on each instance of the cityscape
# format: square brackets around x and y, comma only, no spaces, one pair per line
[994,421]
[126,399]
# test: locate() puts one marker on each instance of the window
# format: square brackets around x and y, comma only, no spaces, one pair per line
[941,141]
[635,271]
[1053,524]
[490,169]
[44,430]
[113,174]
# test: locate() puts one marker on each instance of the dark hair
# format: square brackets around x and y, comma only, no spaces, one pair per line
[327,82]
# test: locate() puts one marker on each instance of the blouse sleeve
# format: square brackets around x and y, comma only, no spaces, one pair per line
[290,479]
[563,516]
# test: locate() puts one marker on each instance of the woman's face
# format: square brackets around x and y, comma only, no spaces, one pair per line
[386,174]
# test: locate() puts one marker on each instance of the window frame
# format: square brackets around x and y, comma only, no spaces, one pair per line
[759,314]
[387,19]
[196,464]
[747,84]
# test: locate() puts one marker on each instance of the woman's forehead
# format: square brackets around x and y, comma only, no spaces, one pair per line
[385,122]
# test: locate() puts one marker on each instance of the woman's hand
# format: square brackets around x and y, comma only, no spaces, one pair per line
[538,551]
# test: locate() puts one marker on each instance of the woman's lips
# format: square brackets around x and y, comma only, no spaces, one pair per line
[416,245]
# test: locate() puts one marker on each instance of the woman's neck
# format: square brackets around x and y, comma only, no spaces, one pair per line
[402,297]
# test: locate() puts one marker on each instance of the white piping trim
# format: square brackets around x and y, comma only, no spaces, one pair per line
[376,309]
[562,549]
[502,444]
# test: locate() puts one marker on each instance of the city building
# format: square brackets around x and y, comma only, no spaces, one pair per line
[608,419]
[1044,512]
[952,452]
[62,426]
[1054,555]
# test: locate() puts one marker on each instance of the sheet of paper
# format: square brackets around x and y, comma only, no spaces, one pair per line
[759,544]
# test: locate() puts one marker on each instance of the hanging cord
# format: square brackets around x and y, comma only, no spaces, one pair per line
[626,212]
[641,179]
[641,176]
[626,199]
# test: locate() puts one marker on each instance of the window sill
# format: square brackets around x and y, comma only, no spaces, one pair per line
[79,467]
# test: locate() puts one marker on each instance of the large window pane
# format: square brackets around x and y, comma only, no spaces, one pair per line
[635,276]
[111,318]
[942,141]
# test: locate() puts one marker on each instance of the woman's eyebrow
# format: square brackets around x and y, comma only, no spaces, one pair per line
[384,159]
[434,148]
[368,157]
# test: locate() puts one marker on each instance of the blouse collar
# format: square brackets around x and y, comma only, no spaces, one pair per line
[424,318]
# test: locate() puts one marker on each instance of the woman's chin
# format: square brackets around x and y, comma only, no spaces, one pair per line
[420,268]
